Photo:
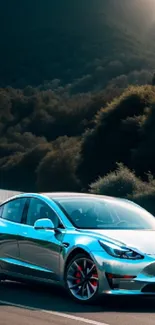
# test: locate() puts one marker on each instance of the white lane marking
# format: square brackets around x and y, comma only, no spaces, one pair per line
[54,313]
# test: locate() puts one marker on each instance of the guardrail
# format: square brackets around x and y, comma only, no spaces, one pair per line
[5,194]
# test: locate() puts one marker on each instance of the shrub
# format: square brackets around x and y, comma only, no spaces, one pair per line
[117,134]
[120,183]
[146,200]
[124,183]
[56,172]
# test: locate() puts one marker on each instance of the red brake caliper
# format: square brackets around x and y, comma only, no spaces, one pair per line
[78,275]
[94,282]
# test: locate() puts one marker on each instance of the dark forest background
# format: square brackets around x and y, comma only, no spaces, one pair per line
[77,97]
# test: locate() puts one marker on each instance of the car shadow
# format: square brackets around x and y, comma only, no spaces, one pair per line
[55,298]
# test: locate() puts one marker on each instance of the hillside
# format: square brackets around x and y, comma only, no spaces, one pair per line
[90,40]
[77,98]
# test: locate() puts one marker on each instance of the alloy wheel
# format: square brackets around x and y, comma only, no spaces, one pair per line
[82,278]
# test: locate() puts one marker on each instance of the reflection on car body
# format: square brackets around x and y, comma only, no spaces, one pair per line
[91,244]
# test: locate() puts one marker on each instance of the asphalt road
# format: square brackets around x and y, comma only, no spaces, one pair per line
[22,304]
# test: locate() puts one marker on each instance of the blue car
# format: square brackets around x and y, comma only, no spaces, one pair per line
[90,244]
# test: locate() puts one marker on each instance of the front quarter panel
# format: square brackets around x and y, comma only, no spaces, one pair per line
[76,240]
[106,263]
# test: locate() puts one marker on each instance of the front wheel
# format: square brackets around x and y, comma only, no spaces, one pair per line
[81,279]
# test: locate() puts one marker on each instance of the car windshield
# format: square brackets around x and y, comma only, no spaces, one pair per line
[94,213]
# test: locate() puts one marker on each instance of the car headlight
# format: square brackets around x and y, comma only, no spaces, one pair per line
[120,251]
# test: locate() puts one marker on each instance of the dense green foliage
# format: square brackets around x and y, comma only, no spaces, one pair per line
[124,183]
[52,141]
[77,97]
[124,132]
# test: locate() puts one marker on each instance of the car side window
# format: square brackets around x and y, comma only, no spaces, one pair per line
[1,211]
[40,210]
[13,210]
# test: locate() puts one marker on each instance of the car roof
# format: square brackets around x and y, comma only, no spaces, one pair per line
[72,194]
[58,195]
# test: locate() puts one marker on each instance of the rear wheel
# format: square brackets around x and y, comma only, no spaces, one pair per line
[81,279]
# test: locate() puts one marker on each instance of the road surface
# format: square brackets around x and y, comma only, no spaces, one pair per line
[27,305]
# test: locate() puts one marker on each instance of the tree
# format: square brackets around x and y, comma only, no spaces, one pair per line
[56,172]
[115,135]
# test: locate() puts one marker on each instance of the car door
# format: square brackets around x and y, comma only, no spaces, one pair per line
[40,249]
[11,214]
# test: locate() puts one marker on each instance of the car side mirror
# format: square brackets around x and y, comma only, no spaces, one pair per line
[45,224]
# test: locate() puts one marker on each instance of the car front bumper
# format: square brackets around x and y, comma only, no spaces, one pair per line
[125,277]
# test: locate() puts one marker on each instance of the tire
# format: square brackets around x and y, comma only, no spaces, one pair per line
[77,275]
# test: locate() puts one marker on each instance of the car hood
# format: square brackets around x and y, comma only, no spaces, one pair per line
[143,240]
